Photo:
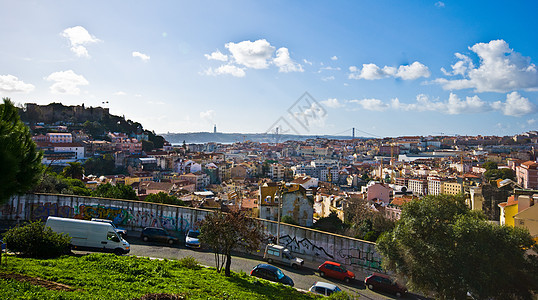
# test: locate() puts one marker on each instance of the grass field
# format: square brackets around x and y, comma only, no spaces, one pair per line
[107,276]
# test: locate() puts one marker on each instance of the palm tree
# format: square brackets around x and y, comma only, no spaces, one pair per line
[74,170]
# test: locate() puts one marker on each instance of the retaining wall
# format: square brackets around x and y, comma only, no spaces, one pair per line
[313,245]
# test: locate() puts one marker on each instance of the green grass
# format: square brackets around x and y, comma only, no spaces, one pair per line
[106,276]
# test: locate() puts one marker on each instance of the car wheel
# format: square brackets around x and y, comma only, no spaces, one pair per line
[269,260]
[295,266]
[370,286]
[145,239]
[321,273]
[170,241]
[118,251]
[398,294]
[347,279]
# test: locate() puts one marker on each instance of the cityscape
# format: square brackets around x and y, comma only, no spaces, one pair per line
[252,150]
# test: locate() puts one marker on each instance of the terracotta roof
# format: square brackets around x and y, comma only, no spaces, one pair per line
[511,201]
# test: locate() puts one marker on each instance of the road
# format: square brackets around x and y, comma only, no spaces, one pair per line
[303,278]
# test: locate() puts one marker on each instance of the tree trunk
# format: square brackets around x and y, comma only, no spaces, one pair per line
[228,264]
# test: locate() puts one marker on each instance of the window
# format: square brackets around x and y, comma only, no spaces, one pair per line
[320,290]
[111,236]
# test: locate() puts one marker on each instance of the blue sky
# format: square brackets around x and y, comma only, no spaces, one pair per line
[386,68]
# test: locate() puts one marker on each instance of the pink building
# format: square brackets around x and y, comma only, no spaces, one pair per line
[379,192]
[527,175]
[59,137]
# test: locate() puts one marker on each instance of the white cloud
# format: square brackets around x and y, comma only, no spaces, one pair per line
[531,121]
[334,58]
[217,55]
[329,68]
[501,69]
[66,82]
[405,72]
[328,78]
[413,71]
[120,93]
[332,103]
[440,4]
[371,104]
[12,84]
[515,105]
[208,115]
[142,56]
[254,55]
[284,62]
[78,37]
[226,70]
[307,62]
[314,115]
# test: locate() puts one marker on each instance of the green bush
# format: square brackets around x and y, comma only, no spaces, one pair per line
[36,240]
[189,262]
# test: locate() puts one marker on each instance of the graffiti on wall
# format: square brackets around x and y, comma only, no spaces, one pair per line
[41,211]
[301,246]
[10,210]
[118,215]
[365,259]
[149,219]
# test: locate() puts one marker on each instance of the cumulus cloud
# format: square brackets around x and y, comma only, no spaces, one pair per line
[440,4]
[79,37]
[120,93]
[515,105]
[12,84]
[501,69]
[255,55]
[332,103]
[334,58]
[371,104]
[307,62]
[208,115]
[226,70]
[217,55]
[66,82]
[405,72]
[328,78]
[284,62]
[142,56]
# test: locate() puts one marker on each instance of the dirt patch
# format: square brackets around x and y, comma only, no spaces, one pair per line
[51,285]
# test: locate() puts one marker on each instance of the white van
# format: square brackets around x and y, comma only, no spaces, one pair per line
[280,254]
[88,235]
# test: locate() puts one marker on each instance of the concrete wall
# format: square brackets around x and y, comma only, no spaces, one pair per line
[312,245]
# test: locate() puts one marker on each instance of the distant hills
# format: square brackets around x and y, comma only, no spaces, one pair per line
[229,138]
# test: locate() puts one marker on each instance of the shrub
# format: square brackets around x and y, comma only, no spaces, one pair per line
[36,240]
[189,262]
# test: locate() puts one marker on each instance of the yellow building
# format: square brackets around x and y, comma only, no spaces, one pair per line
[451,188]
[527,215]
[508,211]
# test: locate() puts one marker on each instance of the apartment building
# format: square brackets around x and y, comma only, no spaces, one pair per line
[527,175]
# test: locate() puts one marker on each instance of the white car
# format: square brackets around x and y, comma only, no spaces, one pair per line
[191,240]
[324,288]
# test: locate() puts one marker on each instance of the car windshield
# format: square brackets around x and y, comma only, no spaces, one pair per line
[193,234]
[279,274]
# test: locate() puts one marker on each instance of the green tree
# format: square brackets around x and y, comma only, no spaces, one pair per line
[36,240]
[52,183]
[20,162]
[118,191]
[331,223]
[441,246]
[102,165]
[147,146]
[73,170]
[490,165]
[162,197]
[226,232]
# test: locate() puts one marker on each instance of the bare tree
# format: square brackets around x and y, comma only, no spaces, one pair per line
[225,232]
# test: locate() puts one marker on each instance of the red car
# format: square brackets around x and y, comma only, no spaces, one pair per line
[335,270]
[384,283]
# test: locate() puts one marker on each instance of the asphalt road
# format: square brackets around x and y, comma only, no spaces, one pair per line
[303,278]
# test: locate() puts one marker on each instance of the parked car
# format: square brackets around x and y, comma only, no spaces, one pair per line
[120,231]
[271,273]
[280,254]
[384,283]
[324,288]
[158,234]
[191,239]
[335,270]
[88,235]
